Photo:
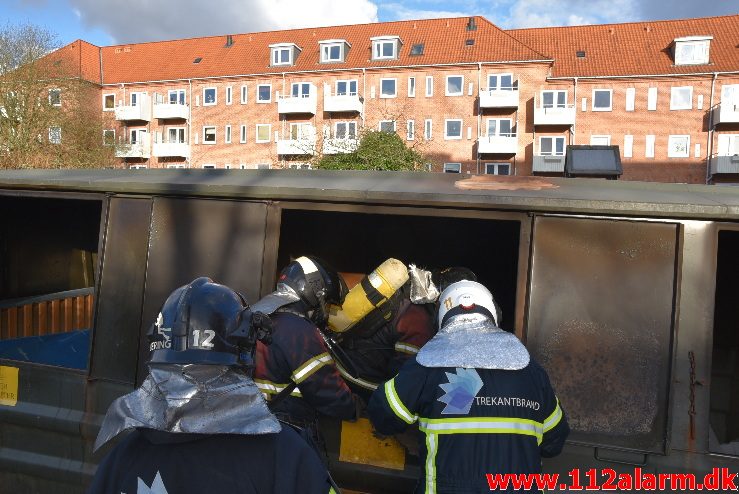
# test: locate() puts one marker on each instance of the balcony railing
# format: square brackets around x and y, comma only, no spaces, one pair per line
[499,98]
[307,103]
[171,149]
[498,144]
[303,145]
[549,164]
[341,102]
[139,149]
[140,112]
[724,164]
[339,146]
[171,111]
[558,115]
[726,112]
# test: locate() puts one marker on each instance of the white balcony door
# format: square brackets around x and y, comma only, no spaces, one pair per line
[138,136]
[554,99]
[177,97]
[730,94]
[300,131]
[300,90]
[137,98]
[176,135]
[500,82]
[500,127]
[346,88]
[728,144]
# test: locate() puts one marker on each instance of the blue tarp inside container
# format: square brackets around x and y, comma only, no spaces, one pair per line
[68,350]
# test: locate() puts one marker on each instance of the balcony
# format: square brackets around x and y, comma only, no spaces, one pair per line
[560,115]
[139,149]
[725,164]
[498,144]
[549,164]
[339,146]
[341,102]
[306,103]
[499,98]
[171,149]
[171,111]
[139,112]
[302,145]
[726,112]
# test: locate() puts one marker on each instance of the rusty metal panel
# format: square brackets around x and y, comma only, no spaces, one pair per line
[223,240]
[601,317]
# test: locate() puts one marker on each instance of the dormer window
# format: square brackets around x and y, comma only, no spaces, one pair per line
[334,50]
[692,50]
[284,53]
[385,47]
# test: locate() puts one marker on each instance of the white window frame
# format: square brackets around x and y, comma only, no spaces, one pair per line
[379,42]
[178,130]
[208,166]
[429,86]
[348,83]
[178,166]
[379,125]
[498,120]
[137,96]
[227,166]
[139,134]
[673,141]
[244,94]
[447,121]
[177,93]
[607,138]
[326,51]
[554,140]
[229,95]
[138,167]
[555,98]
[630,98]
[227,134]
[105,96]
[395,87]
[610,99]
[259,99]
[628,146]
[262,166]
[215,134]
[452,168]
[215,96]
[428,129]
[112,141]
[496,168]
[269,133]
[347,134]
[55,135]
[675,93]
[411,87]
[301,86]
[498,83]
[410,130]
[242,134]
[59,97]
[275,54]
[649,145]
[702,42]
[652,98]
[447,92]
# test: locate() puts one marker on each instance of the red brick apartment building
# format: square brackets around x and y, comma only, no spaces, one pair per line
[472,97]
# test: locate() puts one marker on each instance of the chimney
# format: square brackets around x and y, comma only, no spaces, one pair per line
[471,24]
[229,41]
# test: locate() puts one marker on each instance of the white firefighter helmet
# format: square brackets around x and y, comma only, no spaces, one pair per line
[466,297]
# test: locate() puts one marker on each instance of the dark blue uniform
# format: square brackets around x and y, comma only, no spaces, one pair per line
[475,422]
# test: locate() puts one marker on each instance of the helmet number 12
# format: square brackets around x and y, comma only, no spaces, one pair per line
[208,334]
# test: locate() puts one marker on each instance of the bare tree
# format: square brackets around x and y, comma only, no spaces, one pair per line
[49,115]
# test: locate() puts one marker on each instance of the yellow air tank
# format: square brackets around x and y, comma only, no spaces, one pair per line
[373,291]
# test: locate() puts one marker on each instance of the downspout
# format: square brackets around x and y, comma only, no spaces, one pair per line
[709,144]
[189,121]
[364,97]
[479,115]
[283,118]
[572,132]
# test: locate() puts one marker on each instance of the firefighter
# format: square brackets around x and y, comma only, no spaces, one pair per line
[482,403]
[296,372]
[198,421]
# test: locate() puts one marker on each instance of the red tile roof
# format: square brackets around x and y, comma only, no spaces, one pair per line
[639,48]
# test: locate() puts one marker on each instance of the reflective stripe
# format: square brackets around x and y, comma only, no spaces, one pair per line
[356,380]
[307,265]
[553,419]
[269,388]
[482,425]
[432,443]
[396,405]
[406,348]
[331,491]
[310,366]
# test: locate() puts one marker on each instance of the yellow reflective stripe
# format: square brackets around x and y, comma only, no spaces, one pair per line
[269,388]
[432,446]
[310,366]
[331,491]
[406,348]
[483,425]
[553,419]
[356,380]
[396,405]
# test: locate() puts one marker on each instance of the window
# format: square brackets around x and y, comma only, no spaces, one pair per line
[681,98]
[299,166]
[652,99]
[498,82]
[410,130]
[649,146]
[209,167]
[387,126]
[209,135]
[551,146]
[138,136]
[500,127]
[678,146]
[227,166]
[176,135]
[244,95]
[264,93]
[283,53]
[228,134]
[176,96]
[452,167]
[242,138]
[692,50]
[108,137]
[602,99]
[388,88]
[554,99]
[453,129]
[137,99]
[209,96]
[411,87]
[55,97]
[263,133]
[600,140]
[229,95]
[429,86]
[262,166]
[498,168]
[346,88]
[385,47]
[332,51]
[628,146]
[300,89]
[454,85]
[346,130]
[108,102]
[630,98]
[417,49]
[428,129]
[300,131]
[137,167]
[55,135]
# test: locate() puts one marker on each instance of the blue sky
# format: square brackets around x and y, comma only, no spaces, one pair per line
[105,22]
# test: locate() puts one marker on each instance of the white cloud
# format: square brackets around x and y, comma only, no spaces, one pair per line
[146,20]
[400,12]
[545,13]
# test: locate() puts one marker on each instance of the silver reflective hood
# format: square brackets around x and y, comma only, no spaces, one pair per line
[473,341]
[423,290]
[198,399]
[284,295]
